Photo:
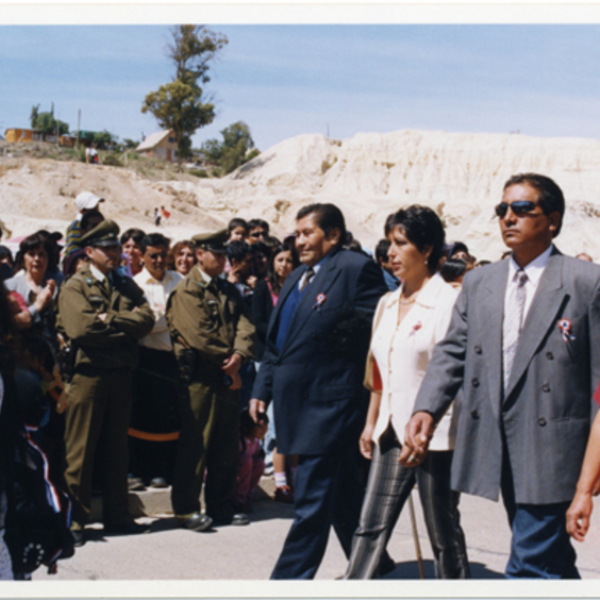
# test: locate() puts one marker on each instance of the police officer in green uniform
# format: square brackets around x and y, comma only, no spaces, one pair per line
[212,336]
[102,314]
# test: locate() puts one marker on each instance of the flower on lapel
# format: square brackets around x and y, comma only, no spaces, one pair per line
[564,326]
[416,328]
[320,299]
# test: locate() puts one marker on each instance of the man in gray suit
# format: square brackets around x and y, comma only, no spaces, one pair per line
[522,358]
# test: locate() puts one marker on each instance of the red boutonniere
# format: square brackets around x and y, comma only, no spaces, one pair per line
[320,299]
[564,326]
[416,328]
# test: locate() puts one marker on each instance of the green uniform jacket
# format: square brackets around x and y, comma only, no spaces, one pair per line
[110,344]
[211,318]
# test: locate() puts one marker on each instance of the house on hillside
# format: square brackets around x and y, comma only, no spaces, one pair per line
[161,145]
[18,135]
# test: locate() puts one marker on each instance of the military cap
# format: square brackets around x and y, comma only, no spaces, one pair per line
[104,234]
[213,241]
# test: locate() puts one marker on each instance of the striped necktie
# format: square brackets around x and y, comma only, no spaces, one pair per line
[513,322]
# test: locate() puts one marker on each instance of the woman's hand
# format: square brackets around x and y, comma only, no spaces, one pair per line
[44,298]
[366,443]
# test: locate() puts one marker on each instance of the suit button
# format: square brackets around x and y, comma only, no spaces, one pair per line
[477,349]
[549,356]
[475,414]
[546,388]
[542,422]
[475,382]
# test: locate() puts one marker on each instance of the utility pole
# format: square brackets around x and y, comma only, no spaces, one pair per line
[78,126]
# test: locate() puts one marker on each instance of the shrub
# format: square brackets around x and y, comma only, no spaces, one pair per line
[111,160]
[216,172]
[198,172]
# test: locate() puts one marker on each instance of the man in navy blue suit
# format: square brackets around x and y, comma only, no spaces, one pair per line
[312,370]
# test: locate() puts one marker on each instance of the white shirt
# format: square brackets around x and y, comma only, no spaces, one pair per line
[157,293]
[403,351]
[534,272]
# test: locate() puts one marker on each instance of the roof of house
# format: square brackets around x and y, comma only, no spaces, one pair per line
[153,140]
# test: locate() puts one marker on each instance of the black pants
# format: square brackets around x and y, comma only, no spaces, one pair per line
[389,486]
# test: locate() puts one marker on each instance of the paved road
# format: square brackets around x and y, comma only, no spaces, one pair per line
[249,553]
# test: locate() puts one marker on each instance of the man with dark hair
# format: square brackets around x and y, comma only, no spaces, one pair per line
[381,256]
[312,371]
[154,423]
[103,315]
[259,230]
[522,359]
[241,261]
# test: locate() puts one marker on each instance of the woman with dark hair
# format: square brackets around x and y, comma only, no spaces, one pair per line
[407,325]
[284,259]
[131,243]
[182,257]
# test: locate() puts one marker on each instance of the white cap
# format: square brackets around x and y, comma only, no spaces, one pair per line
[87,201]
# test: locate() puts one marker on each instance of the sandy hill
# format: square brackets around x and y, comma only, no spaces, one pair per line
[368,176]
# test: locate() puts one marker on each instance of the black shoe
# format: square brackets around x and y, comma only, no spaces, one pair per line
[159,482]
[78,539]
[235,519]
[197,522]
[132,528]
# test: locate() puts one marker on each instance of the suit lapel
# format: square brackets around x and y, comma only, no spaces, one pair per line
[289,285]
[492,313]
[540,317]
[321,284]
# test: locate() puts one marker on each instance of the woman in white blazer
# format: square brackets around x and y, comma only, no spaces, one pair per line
[407,325]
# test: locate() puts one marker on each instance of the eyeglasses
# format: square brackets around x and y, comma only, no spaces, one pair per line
[519,207]
[156,255]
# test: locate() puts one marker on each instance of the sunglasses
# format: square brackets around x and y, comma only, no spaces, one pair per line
[156,255]
[258,234]
[519,207]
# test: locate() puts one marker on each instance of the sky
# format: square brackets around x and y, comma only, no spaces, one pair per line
[338,80]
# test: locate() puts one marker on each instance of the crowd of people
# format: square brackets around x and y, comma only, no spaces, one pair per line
[132,362]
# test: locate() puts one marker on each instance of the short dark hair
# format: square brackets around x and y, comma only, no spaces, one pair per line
[453,268]
[423,228]
[381,250]
[154,239]
[551,196]
[252,223]
[327,217]
[87,217]
[237,222]
[137,235]
[5,252]
[238,250]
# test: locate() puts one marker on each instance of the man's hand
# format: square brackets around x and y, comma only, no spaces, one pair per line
[232,365]
[256,407]
[418,432]
[578,516]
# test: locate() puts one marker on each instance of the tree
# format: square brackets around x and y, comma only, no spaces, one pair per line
[45,122]
[130,144]
[104,139]
[181,105]
[233,150]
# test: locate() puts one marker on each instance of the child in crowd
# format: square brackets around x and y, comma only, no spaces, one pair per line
[252,463]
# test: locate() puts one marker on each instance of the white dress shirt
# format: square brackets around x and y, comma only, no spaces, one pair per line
[533,271]
[403,351]
[157,293]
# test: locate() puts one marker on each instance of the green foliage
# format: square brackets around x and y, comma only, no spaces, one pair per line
[198,172]
[104,139]
[180,105]
[35,111]
[216,172]
[192,49]
[233,150]
[252,154]
[130,144]
[112,160]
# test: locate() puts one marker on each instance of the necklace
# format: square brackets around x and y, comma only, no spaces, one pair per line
[405,302]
